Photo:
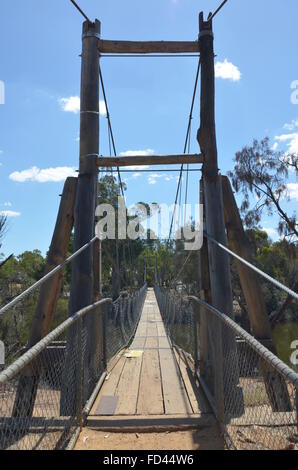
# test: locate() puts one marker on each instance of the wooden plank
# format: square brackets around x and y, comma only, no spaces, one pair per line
[153,423]
[150,399]
[163,342]
[196,401]
[151,330]
[110,384]
[128,387]
[151,343]
[175,398]
[138,343]
[161,329]
[142,329]
[144,160]
[147,47]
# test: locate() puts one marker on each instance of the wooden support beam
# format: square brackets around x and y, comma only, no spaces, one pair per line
[206,346]
[145,160]
[82,288]
[259,320]
[48,296]
[226,373]
[147,47]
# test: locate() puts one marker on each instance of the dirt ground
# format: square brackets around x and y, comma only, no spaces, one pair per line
[185,440]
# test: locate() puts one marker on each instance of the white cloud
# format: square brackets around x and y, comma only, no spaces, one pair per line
[137,153]
[153,177]
[43,175]
[102,108]
[291,139]
[292,125]
[72,105]
[272,233]
[10,214]
[227,71]
[292,189]
[1,152]
[7,204]
[275,146]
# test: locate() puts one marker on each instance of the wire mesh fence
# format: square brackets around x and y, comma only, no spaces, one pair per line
[178,317]
[121,321]
[253,394]
[43,393]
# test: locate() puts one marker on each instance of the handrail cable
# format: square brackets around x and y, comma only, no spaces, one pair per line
[278,364]
[254,268]
[47,276]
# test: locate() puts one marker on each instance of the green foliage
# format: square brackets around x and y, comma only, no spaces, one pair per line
[261,174]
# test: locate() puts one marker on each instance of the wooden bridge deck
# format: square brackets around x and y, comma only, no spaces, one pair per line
[151,391]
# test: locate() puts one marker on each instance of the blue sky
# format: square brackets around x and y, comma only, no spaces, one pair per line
[149,98]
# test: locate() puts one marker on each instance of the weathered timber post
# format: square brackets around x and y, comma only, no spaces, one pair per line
[205,294]
[259,320]
[48,296]
[82,287]
[219,266]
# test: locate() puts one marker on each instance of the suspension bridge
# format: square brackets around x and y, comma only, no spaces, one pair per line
[153,363]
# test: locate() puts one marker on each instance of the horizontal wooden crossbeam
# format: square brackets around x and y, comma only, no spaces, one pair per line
[143,160]
[147,47]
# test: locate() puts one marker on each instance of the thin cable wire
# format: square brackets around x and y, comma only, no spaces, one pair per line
[47,276]
[110,127]
[254,268]
[182,267]
[187,178]
[157,171]
[217,10]
[115,152]
[80,10]
[151,55]
[185,144]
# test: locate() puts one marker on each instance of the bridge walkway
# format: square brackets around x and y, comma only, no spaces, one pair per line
[150,389]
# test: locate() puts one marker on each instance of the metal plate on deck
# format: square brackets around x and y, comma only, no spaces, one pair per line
[106,406]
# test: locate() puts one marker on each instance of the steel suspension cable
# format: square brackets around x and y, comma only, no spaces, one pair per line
[111,136]
[254,268]
[47,276]
[186,143]
[80,10]
[110,127]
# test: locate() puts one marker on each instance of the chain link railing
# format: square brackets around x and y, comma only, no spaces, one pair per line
[45,391]
[121,320]
[253,393]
